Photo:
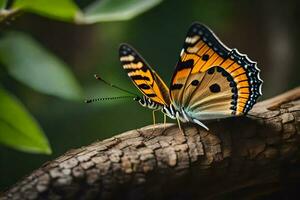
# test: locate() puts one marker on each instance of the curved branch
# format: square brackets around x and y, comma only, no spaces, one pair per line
[236,155]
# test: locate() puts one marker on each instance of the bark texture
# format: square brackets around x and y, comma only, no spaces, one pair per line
[245,157]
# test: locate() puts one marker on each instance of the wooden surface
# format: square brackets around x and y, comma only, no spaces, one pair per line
[244,158]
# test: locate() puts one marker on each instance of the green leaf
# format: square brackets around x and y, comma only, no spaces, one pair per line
[58,9]
[18,129]
[3,4]
[99,11]
[31,64]
[114,10]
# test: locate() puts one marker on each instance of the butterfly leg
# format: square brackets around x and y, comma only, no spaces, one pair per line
[178,122]
[153,116]
[165,121]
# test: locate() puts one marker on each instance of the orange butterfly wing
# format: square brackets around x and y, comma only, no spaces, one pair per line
[202,51]
[144,78]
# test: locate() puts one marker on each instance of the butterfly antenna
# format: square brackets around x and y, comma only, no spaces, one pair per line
[112,85]
[106,98]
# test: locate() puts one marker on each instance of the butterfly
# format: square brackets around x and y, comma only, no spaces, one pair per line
[210,81]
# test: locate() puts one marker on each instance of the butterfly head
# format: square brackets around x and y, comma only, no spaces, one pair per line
[137,98]
[142,101]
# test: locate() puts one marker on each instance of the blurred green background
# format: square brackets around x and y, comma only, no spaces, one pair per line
[265,30]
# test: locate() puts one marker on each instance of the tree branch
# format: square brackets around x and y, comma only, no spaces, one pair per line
[236,157]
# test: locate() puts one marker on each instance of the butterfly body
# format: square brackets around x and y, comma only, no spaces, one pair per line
[210,80]
[168,110]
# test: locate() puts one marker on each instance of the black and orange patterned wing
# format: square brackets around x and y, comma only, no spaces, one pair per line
[212,79]
[144,78]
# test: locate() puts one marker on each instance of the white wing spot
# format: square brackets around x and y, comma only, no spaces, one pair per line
[127,58]
[192,40]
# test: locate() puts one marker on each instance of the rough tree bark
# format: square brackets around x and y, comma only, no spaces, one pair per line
[245,157]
